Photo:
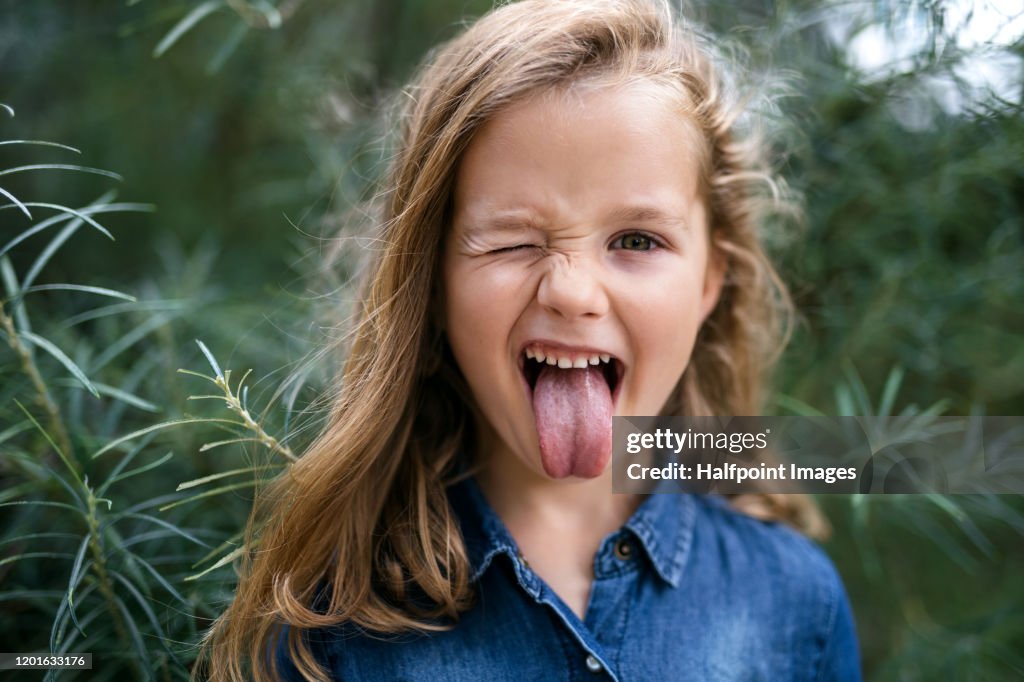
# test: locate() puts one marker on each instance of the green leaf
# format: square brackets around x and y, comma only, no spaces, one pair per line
[17,202]
[14,491]
[35,555]
[60,620]
[223,474]
[271,14]
[224,560]
[128,340]
[797,407]
[175,307]
[57,207]
[844,402]
[42,143]
[42,503]
[63,456]
[161,580]
[26,595]
[125,461]
[227,48]
[216,444]
[892,387]
[210,359]
[51,248]
[859,391]
[212,380]
[139,538]
[209,493]
[37,536]
[65,216]
[76,577]
[100,291]
[139,470]
[187,22]
[100,205]
[157,427]
[140,649]
[169,526]
[14,430]
[61,166]
[232,541]
[147,609]
[963,520]
[117,394]
[148,503]
[63,359]
[10,279]
[103,630]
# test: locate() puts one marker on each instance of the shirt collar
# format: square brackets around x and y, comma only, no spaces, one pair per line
[663,525]
[483,532]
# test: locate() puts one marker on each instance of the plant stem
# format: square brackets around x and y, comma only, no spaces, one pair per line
[100,570]
[43,396]
[235,405]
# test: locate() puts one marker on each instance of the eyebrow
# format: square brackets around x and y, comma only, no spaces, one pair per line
[517,221]
[504,222]
[647,214]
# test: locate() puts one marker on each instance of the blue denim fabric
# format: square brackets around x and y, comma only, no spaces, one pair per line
[696,591]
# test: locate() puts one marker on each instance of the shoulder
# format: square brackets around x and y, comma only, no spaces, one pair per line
[770,549]
[318,641]
[783,577]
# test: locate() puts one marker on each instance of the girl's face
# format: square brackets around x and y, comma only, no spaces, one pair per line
[578,237]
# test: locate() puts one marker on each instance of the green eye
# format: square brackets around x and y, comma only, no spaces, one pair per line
[636,242]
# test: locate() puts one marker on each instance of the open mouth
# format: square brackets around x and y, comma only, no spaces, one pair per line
[533,360]
[573,392]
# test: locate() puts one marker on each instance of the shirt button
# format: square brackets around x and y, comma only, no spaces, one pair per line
[593,665]
[623,550]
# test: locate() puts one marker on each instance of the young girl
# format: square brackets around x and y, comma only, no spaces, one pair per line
[569,234]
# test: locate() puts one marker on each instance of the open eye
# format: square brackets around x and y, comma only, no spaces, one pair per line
[636,241]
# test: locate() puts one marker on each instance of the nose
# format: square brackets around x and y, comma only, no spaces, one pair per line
[572,289]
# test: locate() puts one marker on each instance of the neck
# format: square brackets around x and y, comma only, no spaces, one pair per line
[558,524]
[531,503]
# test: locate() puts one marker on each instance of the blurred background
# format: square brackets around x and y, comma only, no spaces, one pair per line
[235,138]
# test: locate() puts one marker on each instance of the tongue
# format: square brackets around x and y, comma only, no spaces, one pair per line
[573,409]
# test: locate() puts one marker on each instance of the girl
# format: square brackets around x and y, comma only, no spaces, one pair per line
[569,233]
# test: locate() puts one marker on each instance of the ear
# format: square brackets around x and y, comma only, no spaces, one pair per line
[714,277]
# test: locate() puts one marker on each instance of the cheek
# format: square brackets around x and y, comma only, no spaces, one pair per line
[663,331]
[662,324]
[663,302]
[480,308]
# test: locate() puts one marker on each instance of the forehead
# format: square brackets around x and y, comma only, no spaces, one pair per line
[580,153]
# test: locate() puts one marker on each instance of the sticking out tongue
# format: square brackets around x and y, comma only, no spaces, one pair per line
[573,409]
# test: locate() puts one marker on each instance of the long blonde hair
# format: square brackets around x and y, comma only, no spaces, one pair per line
[361,521]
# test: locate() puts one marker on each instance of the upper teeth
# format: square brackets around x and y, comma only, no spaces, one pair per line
[567,360]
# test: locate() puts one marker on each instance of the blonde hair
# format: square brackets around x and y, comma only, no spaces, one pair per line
[359,529]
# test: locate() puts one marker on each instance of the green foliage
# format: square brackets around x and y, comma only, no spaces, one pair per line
[127,470]
[97,552]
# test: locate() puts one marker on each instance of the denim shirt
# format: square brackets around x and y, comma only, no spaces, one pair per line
[687,589]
